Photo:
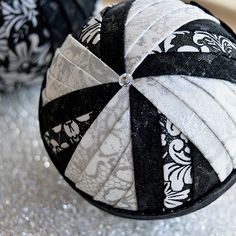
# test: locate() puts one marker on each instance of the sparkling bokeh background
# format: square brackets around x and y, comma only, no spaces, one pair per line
[35,200]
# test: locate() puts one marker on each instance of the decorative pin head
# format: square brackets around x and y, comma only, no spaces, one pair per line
[126,80]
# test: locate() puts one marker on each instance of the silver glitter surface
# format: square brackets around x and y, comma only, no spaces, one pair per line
[35,200]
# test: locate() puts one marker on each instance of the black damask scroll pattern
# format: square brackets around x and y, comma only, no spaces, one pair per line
[177,165]
[90,35]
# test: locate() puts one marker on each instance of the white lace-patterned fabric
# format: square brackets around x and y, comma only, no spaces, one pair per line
[151,31]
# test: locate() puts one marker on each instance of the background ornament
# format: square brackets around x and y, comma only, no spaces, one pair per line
[31,30]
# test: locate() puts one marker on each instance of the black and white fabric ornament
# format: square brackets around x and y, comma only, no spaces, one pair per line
[30,31]
[138,112]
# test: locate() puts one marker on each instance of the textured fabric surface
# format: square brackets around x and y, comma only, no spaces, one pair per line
[147,152]
[113,36]
[146,141]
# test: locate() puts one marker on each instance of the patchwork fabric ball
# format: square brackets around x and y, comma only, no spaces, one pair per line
[31,30]
[138,112]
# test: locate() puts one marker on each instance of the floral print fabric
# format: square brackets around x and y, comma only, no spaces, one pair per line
[25,48]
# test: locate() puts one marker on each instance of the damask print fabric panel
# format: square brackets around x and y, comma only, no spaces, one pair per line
[177,165]
[198,41]
[90,35]
[145,154]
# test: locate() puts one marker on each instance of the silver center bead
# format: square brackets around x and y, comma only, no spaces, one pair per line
[126,80]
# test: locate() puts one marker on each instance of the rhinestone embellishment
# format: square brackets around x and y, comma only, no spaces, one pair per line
[126,80]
